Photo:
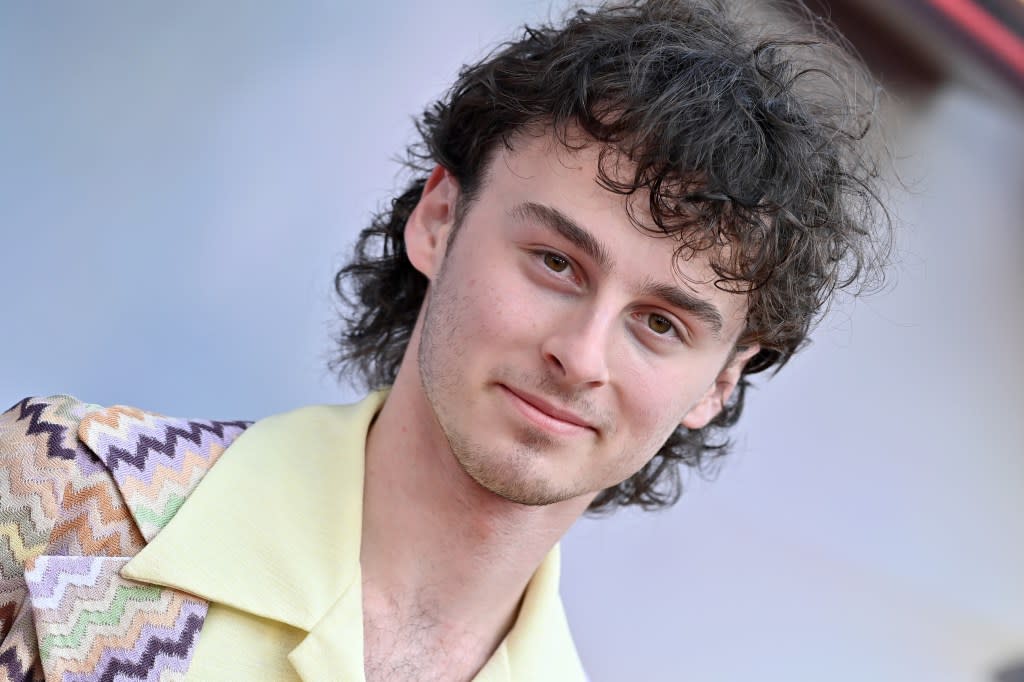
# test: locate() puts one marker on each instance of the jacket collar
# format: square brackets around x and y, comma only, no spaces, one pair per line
[285,502]
[155,461]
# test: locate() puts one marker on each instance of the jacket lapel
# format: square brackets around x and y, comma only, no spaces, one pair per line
[139,617]
[156,461]
[274,532]
[91,622]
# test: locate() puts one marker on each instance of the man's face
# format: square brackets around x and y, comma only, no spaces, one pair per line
[559,346]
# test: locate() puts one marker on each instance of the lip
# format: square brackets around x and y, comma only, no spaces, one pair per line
[547,415]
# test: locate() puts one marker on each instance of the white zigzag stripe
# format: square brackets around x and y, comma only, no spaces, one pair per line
[122,434]
[64,581]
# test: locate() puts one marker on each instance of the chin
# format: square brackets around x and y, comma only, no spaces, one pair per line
[514,476]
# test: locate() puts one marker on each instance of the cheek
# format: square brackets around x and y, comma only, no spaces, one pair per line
[485,316]
[655,400]
[502,309]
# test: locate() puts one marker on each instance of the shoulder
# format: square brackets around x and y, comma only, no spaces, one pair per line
[40,455]
[80,478]
[156,461]
[60,430]
[47,427]
[55,498]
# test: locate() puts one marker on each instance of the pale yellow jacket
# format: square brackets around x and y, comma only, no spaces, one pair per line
[269,538]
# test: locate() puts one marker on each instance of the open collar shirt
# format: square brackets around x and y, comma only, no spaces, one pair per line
[271,538]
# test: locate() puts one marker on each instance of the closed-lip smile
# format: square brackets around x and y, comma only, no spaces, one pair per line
[554,417]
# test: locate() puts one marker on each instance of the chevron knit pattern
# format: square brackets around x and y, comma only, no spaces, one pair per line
[18,658]
[157,461]
[95,625]
[64,517]
[42,466]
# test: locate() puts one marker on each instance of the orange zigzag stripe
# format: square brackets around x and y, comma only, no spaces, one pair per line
[107,500]
[112,511]
[127,638]
[162,475]
[110,421]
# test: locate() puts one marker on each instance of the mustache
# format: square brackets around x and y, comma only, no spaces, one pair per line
[555,391]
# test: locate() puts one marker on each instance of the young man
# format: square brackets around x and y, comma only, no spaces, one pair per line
[616,221]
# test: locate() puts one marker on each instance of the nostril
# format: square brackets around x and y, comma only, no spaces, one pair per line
[554,360]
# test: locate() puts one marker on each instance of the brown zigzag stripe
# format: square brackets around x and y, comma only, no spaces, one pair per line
[8,610]
[55,433]
[180,648]
[18,653]
[13,670]
[11,667]
[153,503]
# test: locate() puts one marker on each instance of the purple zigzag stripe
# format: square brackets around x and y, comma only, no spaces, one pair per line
[87,460]
[169,445]
[162,660]
[36,425]
[43,586]
[15,669]
[179,648]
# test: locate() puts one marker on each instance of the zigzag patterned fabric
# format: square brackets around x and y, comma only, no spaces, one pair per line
[157,461]
[92,624]
[41,460]
[64,517]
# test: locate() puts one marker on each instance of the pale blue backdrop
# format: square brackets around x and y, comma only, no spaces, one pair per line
[180,181]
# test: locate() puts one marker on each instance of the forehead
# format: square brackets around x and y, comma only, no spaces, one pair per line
[538,162]
[539,170]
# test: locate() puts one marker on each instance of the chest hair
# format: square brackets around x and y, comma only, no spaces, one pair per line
[416,649]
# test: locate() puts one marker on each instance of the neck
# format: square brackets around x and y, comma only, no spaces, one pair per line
[436,542]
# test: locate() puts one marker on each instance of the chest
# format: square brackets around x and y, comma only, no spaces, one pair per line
[408,648]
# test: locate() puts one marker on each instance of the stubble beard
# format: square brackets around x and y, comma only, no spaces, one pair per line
[508,472]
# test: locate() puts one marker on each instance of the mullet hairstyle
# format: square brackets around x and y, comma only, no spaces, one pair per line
[755,142]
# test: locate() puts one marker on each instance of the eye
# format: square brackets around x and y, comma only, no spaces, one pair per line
[659,324]
[556,263]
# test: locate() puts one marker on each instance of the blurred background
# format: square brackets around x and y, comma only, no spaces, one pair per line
[180,181]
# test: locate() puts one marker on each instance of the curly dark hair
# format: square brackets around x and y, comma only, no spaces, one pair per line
[758,142]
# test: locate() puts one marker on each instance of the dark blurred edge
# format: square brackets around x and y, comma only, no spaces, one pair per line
[917,44]
[1011,673]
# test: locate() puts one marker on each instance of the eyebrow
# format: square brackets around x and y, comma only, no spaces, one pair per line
[703,310]
[572,232]
[567,228]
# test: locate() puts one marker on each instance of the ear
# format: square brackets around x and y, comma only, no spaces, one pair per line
[712,402]
[431,222]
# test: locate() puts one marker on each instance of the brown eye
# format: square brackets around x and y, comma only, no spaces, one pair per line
[658,324]
[555,263]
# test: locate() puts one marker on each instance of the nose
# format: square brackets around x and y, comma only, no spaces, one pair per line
[577,349]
